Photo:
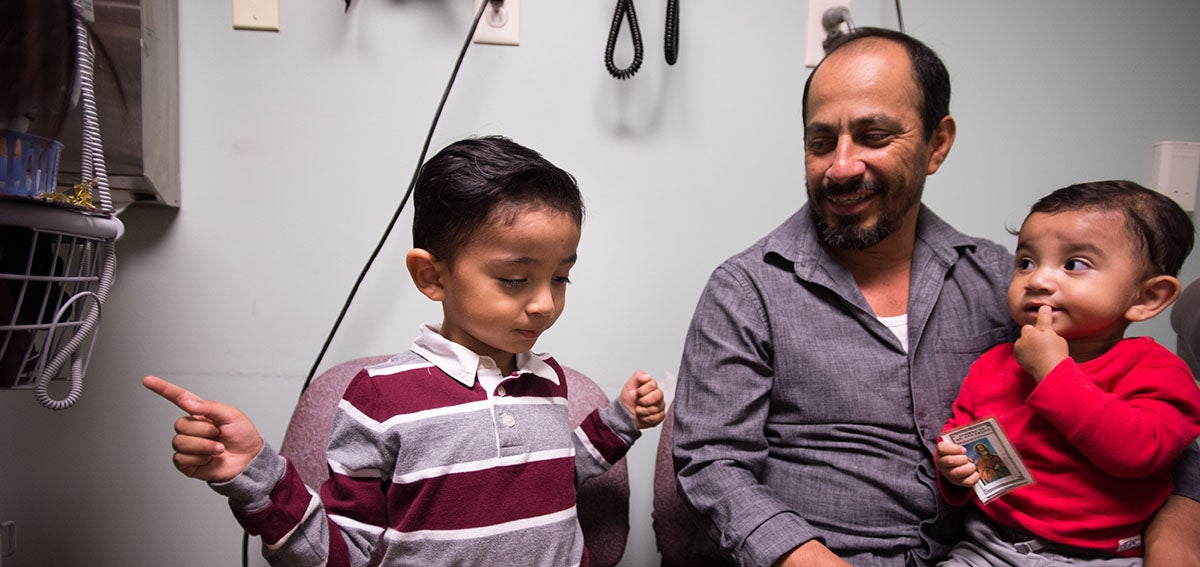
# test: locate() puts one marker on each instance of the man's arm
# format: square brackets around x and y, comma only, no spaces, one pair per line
[1173,536]
[721,408]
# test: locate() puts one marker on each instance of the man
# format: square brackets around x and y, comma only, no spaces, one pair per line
[822,361]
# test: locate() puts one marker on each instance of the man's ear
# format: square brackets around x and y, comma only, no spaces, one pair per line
[426,272]
[940,143]
[1156,293]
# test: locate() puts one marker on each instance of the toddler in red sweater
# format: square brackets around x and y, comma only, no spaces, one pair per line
[1098,419]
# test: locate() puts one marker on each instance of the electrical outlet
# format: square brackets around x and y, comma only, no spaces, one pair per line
[500,24]
[815,31]
[256,15]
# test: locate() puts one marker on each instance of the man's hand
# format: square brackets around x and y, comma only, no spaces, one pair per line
[642,397]
[811,553]
[1171,538]
[1040,349]
[955,466]
[215,441]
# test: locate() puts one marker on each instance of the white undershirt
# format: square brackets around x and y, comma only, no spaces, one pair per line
[898,325]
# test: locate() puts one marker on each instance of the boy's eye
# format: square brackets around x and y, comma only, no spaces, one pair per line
[1076,265]
[1023,264]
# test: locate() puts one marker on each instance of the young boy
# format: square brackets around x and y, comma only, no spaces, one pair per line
[1097,418]
[460,450]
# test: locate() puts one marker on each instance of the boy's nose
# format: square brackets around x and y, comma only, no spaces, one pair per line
[1040,279]
[541,302]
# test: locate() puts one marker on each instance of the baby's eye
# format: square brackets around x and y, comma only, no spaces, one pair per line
[1076,265]
[1023,264]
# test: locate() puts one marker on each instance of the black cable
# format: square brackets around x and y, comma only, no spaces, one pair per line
[671,35]
[391,224]
[624,9]
[899,17]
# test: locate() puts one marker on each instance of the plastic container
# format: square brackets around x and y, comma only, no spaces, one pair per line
[28,164]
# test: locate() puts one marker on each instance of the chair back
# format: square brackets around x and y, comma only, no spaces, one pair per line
[675,528]
[602,502]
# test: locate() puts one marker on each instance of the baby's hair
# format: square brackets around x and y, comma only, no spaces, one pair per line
[1163,231]
[462,187]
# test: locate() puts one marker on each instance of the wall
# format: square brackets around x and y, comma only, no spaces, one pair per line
[296,148]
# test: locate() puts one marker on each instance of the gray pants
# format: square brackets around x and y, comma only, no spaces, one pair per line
[988,545]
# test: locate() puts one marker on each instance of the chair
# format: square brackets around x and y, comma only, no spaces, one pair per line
[675,528]
[602,502]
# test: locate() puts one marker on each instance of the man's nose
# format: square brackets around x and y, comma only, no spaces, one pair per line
[847,162]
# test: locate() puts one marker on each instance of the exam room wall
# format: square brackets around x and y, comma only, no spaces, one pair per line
[296,146]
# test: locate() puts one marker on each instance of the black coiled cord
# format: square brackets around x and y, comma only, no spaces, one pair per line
[624,9]
[671,36]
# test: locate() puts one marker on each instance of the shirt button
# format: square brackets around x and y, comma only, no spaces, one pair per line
[501,392]
[508,421]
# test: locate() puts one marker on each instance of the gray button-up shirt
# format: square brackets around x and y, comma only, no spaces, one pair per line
[799,415]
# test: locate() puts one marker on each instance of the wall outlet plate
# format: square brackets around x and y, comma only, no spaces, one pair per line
[500,24]
[262,15]
[814,33]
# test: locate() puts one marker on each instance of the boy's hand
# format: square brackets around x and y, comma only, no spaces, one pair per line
[215,441]
[1040,349]
[643,399]
[955,466]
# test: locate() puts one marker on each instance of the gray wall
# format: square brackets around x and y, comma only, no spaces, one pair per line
[296,147]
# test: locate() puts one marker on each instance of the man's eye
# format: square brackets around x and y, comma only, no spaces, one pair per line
[818,145]
[511,283]
[562,279]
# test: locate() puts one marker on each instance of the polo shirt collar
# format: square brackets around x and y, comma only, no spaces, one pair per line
[462,364]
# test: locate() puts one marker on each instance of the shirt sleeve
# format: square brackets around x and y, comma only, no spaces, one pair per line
[269,499]
[721,406]
[1142,426]
[602,439]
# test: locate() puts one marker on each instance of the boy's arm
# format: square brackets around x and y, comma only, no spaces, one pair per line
[602,439]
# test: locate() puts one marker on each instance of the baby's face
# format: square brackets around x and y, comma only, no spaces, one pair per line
[1084,265]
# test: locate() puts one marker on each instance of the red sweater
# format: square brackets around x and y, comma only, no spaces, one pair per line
[1099,438]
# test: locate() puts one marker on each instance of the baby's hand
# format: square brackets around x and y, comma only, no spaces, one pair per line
[955,466]
[1040,349]
[642,397]
[215,441]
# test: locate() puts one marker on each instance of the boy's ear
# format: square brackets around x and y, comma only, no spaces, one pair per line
[426,272]
[1155,295]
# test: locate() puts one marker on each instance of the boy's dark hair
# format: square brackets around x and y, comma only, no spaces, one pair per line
[460,188]
[930,74]
[1163,231]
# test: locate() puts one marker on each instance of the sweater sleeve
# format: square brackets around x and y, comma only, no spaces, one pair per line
[963,413]
[1142,426]
[269,499]
[602,439]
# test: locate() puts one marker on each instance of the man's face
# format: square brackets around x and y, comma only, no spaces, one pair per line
[866,156]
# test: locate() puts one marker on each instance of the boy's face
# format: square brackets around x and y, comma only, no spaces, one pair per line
[1083,264]
[508,284]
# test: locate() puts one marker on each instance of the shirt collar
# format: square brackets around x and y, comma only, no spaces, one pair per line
[798,242]
[462,364]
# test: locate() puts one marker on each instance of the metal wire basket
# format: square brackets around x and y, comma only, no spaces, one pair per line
[51,263]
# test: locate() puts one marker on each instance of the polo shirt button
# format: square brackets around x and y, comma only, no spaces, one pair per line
[501,392]
[508,421]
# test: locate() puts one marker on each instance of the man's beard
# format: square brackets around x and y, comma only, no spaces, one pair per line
[849,234]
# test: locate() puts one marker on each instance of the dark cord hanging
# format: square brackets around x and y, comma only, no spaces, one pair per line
[671,36]
[624,9]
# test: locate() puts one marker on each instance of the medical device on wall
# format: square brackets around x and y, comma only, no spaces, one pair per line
[625,11]
[57,259]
